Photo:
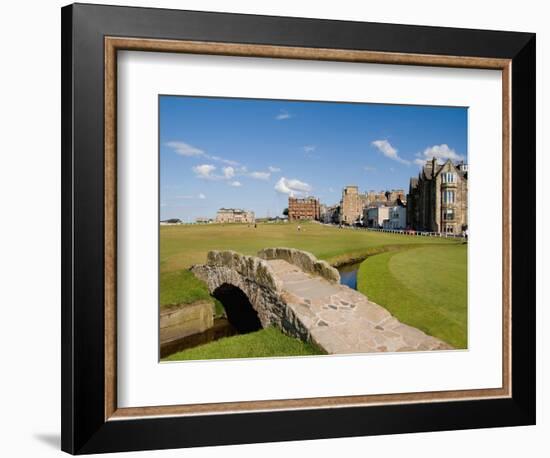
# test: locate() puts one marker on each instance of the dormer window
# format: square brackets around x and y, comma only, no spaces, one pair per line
[448,177]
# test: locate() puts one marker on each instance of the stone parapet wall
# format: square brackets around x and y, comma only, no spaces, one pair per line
[304,260]
[250,267]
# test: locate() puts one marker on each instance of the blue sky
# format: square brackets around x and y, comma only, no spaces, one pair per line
[253,154]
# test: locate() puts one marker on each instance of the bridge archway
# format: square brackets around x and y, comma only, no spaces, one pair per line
[238,308]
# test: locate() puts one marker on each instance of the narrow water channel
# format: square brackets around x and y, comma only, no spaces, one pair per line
[348,274]
[221,328]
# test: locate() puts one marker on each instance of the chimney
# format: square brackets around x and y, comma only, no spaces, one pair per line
[428,168]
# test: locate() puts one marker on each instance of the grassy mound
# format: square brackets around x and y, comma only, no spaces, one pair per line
[424,287]
[182,287]
[266,343]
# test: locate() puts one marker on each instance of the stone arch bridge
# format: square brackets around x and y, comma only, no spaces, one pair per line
[301,295]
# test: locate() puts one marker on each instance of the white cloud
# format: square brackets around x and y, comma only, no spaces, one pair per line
[309,148]
[274,169]
[368,168]
[185,149]
[389,151]
[291,187]
[205,171]
[260,175]
[190,196]
[440,152]
[283,114]
[222,160]
[228,172]
[208,172]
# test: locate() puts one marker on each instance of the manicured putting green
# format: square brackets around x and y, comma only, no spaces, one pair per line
[425,287]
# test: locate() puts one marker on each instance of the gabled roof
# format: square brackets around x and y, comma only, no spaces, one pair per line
[442,166]
[431,169]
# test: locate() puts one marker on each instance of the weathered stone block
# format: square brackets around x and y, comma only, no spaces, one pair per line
[325,270]
[304,260]
[213,258]
[226,258]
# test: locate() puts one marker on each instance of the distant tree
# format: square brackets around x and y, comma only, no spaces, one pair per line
[285,212]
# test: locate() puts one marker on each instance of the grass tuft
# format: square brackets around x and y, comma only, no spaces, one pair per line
[182,287]
[269,342]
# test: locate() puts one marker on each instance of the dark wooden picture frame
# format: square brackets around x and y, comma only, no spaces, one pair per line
[91,37]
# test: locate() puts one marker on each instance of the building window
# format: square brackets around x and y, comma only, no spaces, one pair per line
[448,177]
[448,197]
[448,214]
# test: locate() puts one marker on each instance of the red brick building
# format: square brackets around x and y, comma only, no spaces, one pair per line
[303,209]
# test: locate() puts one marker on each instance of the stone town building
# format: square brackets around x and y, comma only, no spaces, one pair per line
[354,203]
[351,205]
[331,214]
[306,208]
[397,218]
[375,216]
[235,215]
[373,196]
[389,197]
[322,211]
[438,198]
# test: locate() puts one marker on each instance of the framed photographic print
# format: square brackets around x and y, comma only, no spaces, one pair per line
[284,228]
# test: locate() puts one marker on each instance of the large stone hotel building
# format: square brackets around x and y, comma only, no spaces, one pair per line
[438,198]
[235,215]
[307,209]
